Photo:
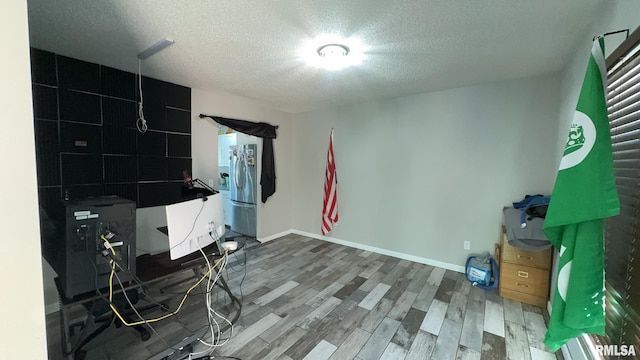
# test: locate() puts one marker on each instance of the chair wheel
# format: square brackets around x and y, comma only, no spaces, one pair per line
[145,335]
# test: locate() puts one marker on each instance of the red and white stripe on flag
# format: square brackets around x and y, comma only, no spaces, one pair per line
[330,203]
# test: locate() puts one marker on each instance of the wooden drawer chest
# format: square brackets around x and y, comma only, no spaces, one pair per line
[524,275]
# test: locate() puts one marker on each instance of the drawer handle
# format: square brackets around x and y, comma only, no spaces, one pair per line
[522,285]
[523,274]
[525,257]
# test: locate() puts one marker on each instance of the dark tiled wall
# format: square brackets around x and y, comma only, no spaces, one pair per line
[87,143]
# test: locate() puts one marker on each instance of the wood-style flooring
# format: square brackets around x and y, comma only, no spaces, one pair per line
[308,299]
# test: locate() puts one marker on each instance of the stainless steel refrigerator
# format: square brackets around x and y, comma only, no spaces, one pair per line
[243,188]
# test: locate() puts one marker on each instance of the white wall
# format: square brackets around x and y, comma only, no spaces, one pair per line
[421,174]
[22,332]
[274,216]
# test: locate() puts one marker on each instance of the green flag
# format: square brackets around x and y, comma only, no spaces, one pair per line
[584,194]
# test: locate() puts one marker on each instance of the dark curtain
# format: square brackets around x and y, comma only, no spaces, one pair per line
[265,131]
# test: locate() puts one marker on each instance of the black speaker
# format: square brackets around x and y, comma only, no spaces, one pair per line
[78,252]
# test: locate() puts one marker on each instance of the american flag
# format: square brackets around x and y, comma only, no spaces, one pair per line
[330,203]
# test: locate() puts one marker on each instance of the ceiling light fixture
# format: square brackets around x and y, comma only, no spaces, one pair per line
[155,48]
[333,51]
[333,56]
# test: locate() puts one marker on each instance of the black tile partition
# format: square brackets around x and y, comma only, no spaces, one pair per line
[127,191]
[45,72]
[120,169]
[80,138]
[82,191]
[47,153]
[45,102]
[178,121]
[178,96]
[152,168]
[118,83]
[79,106]
[179,145]
[152,143]
[78,75]
[81,169]
[175,167]
[119,126]
[87,143]
[148,193]
[118,113]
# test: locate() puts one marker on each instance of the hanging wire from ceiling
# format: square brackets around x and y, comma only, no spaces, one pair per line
[141,122]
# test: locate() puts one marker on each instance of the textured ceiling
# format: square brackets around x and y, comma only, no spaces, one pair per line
[255,48]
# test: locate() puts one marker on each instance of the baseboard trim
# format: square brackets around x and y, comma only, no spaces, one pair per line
[275,236]
[377,250]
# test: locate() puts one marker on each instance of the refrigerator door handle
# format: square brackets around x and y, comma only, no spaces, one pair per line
[241,204]
[238,177]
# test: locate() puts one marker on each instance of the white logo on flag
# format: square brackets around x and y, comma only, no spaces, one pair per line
[580,142]
[563,280]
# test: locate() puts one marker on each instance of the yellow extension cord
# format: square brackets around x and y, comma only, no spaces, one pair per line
[184,298]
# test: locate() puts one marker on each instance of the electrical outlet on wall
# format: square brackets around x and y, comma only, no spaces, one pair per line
[467,245]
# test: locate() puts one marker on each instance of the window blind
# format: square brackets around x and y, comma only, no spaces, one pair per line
[622,233]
